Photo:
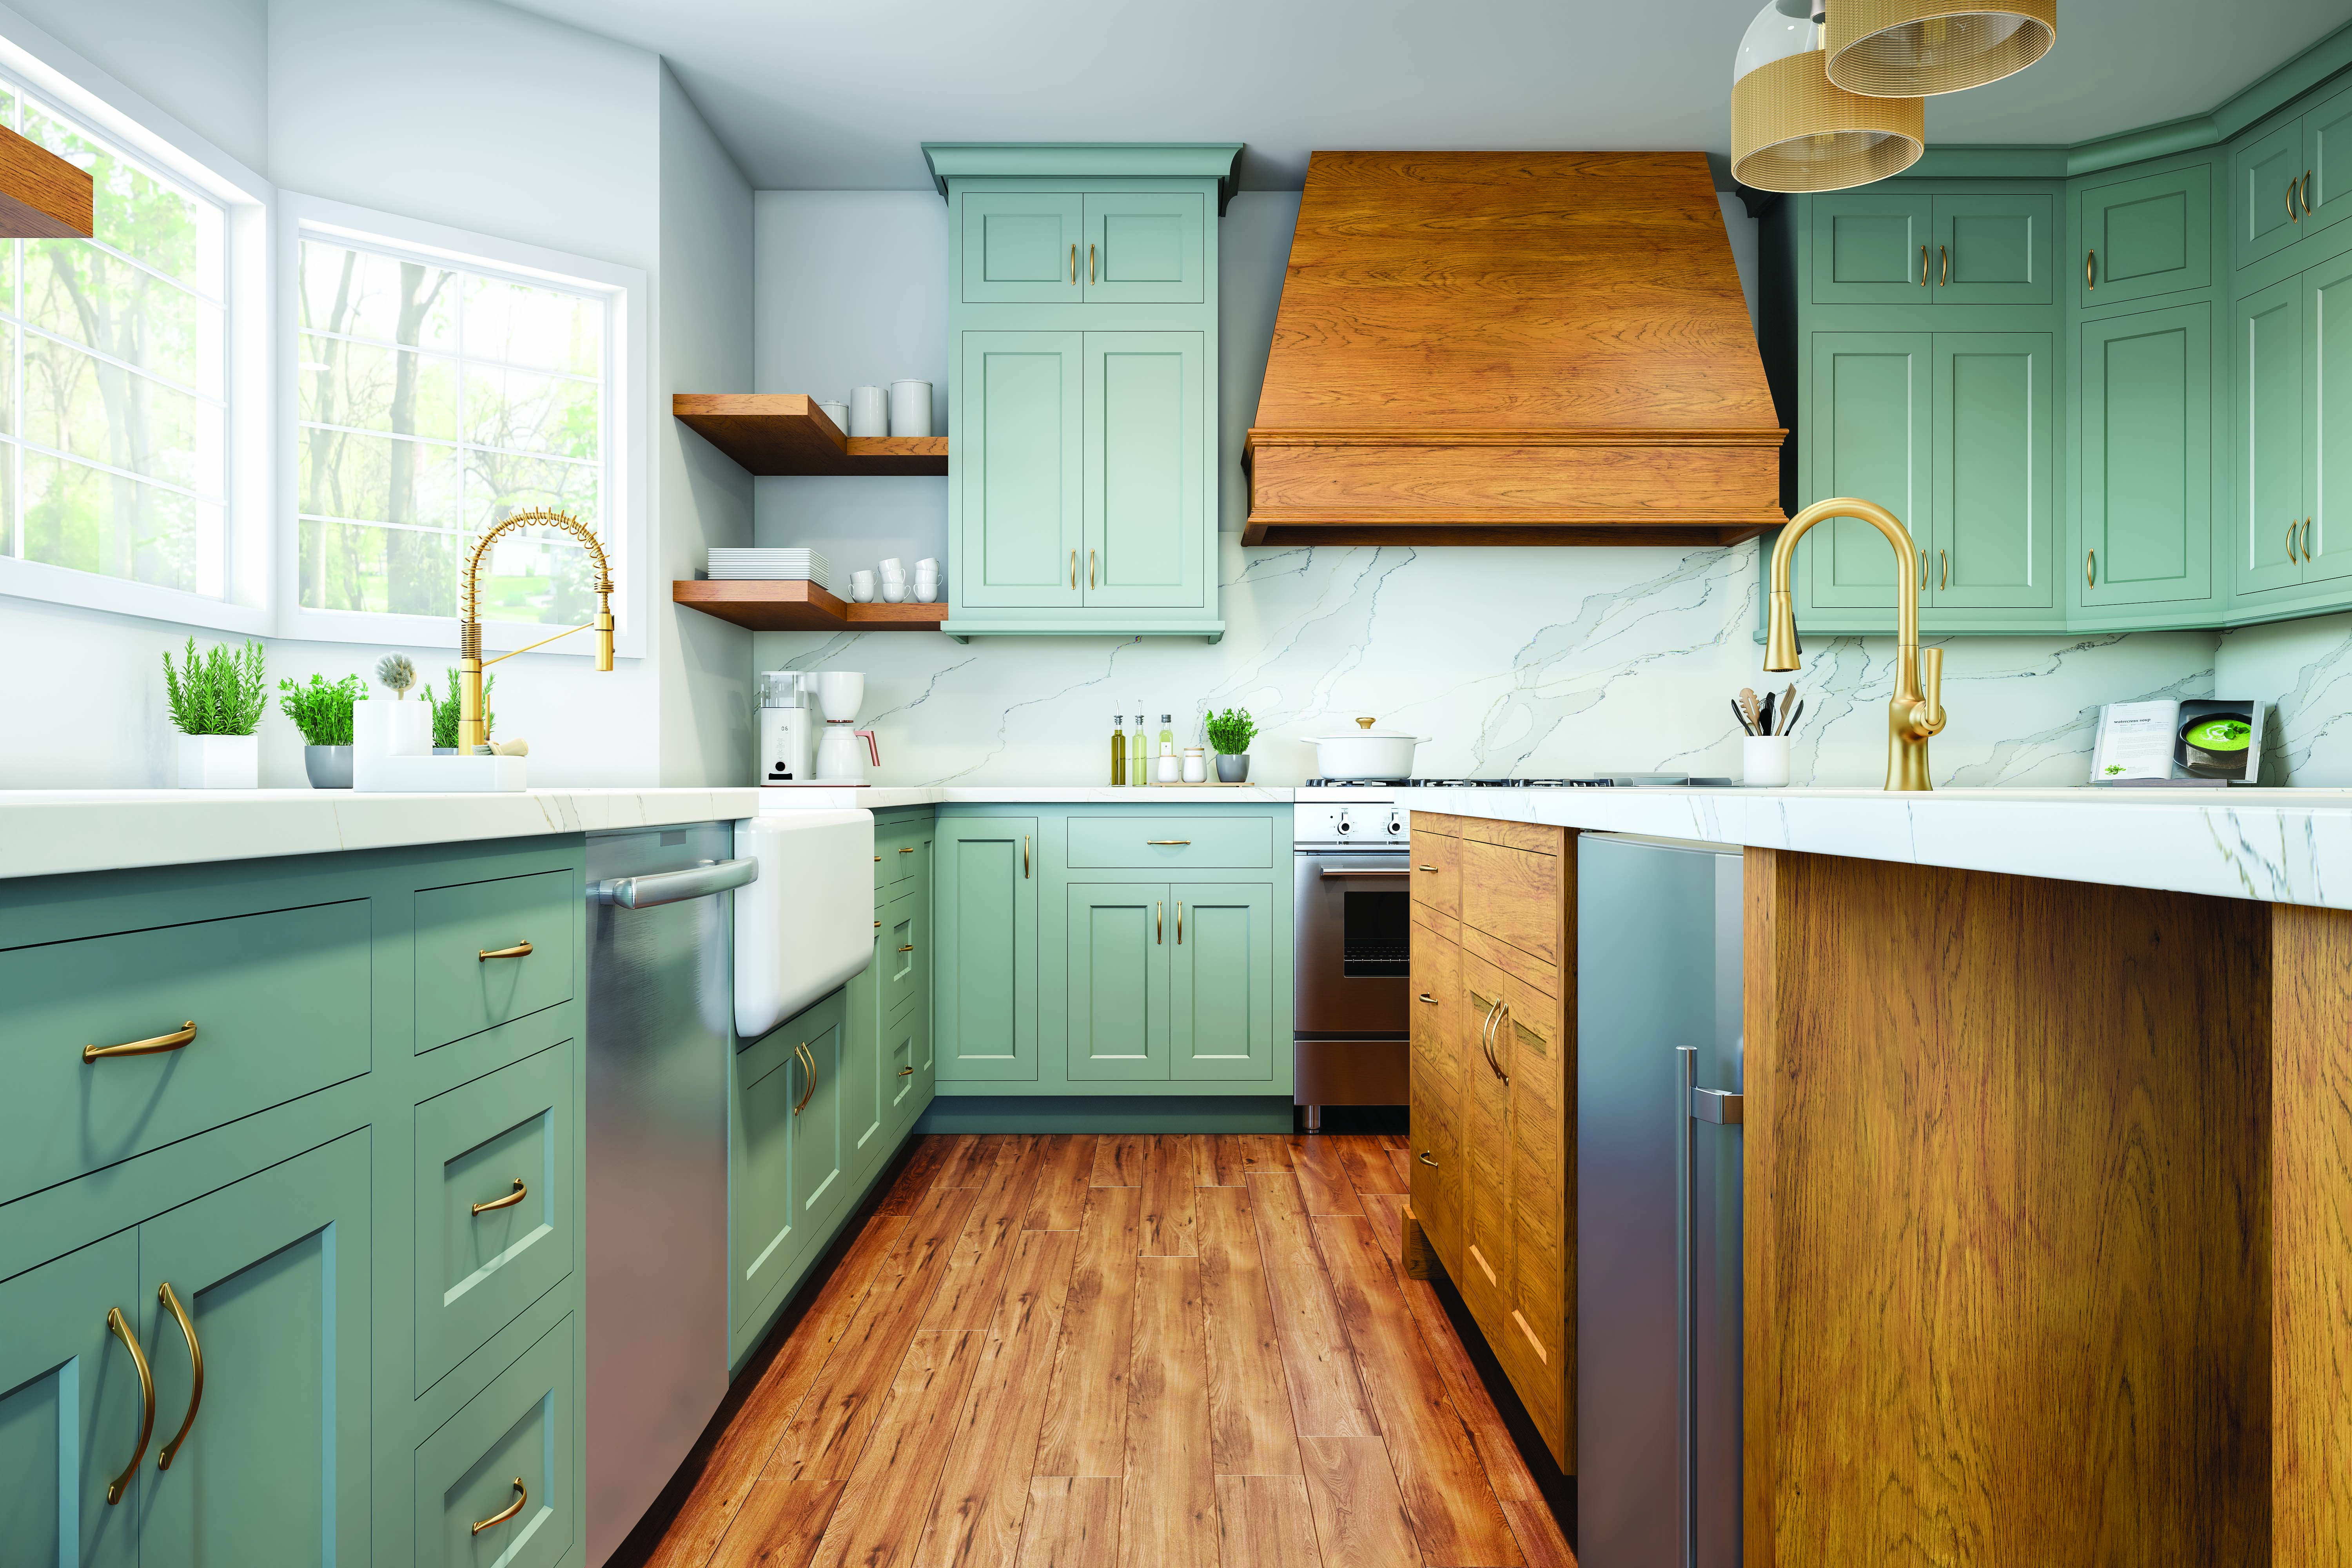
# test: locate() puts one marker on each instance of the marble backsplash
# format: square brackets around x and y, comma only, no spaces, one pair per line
[1527,663]
[2304,670]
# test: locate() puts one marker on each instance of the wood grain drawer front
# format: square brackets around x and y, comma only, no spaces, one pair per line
[1514,896]
[518,1429]
[1534,837]
[1436,875]
[461,992]
[503,1140]
[1436,1183]
[1436,1002]
[1437,822]
[282,1004]
[1129,843]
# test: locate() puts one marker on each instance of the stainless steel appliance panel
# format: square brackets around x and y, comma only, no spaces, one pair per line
[660,1002]
[1353,924]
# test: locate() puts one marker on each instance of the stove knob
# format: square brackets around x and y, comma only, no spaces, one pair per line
[1343,826]
[1396,824]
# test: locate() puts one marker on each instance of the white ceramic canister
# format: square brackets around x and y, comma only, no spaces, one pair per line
[838,412]
[869,412]
[910,408]
[1196,765]
[1764,760]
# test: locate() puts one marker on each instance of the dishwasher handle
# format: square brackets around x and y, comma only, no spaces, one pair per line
[1362,871]
[673,886]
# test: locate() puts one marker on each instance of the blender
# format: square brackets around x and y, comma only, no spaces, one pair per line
[840,759]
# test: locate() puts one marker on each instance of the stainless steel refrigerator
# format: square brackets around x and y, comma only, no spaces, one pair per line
[1657,1204]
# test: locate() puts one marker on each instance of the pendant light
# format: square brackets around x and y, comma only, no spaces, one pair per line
[1903,48]
[1794,129]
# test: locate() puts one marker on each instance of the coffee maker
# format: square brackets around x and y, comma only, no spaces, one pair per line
[840,759]
[787,728]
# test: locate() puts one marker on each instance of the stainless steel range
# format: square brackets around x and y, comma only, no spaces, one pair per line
[1353,948]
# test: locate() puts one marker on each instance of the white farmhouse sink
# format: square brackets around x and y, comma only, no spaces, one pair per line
[807,925]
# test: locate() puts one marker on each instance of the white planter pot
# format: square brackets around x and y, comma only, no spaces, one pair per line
[1365,755]
[219,762]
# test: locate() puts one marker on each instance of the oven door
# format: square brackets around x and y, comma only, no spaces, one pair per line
[1354,915]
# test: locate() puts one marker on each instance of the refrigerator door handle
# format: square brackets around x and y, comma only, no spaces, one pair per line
[1724,1107]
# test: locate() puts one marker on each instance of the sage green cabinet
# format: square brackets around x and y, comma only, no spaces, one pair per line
[2327,157]
[1117,991]
[505,1457]
[1873,248]
[1222,996]
[885,1077]
[1022,247]
[2269,471]
[69,1410]
[985,973]
[2327,417]
[1020,464]
[1995,247]
[2146,235]
[1146,247]
[2147,454]
[2266,193]
[1868,430]
[1145,463]
[785,1158]
[1975,247]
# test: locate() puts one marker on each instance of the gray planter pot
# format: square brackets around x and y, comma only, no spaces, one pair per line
[329,767]
[1232,769]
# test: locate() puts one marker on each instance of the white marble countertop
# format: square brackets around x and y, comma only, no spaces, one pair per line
[45,832]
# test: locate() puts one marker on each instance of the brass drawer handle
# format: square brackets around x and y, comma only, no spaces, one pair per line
[1179,922]
[909,948]
[2292,530]
[520,950]
[1945,252]
[808,1061]
[1168,841]
[1158,923]
[1090,263]
[508,1202]
[120,1325]
[1090,568]
[1427,1160]
[2307,190]
[2091,569]
[171,1042]
[906,1072]
[910,849]
[1073,568]
[878,859]
[508,1512]
[1074,261]
[1428,998]
[1025,859]
[1923,267]
[2091,271]
[1943,570]
[196,1376]
[1424,867]
[2292,216]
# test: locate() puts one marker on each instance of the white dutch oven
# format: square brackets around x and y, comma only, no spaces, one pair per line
[1367,753]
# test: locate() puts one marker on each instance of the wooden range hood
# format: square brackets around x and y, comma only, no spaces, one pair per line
[1512,347]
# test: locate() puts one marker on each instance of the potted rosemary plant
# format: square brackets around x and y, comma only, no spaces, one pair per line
[445,715]
[322,711]
[1231,733]
[215,701]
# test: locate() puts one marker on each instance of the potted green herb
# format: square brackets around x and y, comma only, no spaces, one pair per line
[445,715]
[322,711]
[1231,733]
[215,701]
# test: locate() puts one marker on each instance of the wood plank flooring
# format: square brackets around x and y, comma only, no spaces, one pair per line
[1121,1351]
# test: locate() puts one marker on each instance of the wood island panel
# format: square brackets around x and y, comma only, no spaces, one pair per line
[2007,1195]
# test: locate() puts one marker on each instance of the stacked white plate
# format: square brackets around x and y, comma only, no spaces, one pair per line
[770,564]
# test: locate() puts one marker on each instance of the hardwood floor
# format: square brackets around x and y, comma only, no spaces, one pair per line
[1115,1351]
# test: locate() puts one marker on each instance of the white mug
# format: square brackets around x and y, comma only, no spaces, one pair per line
[861,588]
[910,408]
[893,567]
[927,582]
[869,412]
[894,589]
[838,412]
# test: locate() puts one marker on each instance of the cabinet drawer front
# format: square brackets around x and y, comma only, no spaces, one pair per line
[1437,873]
[1437,1003]
[518,1429]
[461,993]
[1514,896]
[1436,1186]
[905,957]
[1175,842]
[505,1135]
[282,1004]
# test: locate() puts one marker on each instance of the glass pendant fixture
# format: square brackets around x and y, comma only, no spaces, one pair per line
[1792,129]
[1904,49]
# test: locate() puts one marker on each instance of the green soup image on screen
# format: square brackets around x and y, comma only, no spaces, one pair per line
[2222,734]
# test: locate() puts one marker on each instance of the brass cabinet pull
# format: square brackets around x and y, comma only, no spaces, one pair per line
[2292,216]
[1090,263]
[909,849]
[1943,569]
[1486,1030]
[907,948]
[1427,1160]
[506,1513]
[1424,867]
[2307,190]
[1428,998]
[2090,569]
[1074,569]
[196,1376]
[171,1042]
[878,859]
[808,1061]
[1090,568]
[1501,1017]
[1923,567]
[1945,252]
[1025,859]
[1179,922]
[1923,267]
[121,1328]
[906,1072]
[1167,841]
[1158,923]
[2293,529]
[2091,271]
[520,950]
[508,1202]
[1073,262]
[2309,528]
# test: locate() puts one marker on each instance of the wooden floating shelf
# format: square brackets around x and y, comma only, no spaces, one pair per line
[798,605]
[772,433]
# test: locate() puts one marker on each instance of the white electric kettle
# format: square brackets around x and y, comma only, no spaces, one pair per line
[839,758]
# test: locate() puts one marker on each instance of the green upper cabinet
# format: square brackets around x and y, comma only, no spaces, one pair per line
[1868,431]
[1873,248]
[2327,418]
[2266,193]
[1974,247]
[1023,246]
[1082,493]
[2146,452]
[1995,511]
[2327,157]
[1220,982]
[984,979]
[2146,235]
[2268,461]
[1995,248]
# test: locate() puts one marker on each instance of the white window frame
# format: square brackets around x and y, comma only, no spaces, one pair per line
[624,498]
[147,135]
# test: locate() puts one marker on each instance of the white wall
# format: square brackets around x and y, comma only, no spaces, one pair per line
[1534,662]
[202,62]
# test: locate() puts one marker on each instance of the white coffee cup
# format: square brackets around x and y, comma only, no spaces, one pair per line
[894,589]
[893,567]
[861,588]
[869,412]
[910,408]
[838,412]
[927,582]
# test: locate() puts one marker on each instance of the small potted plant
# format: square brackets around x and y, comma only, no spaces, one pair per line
[1231,733]
[322,711]
[445,715]
[215,701]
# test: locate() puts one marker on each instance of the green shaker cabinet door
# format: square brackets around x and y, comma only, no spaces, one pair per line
[985,979]
[1146,248]
[274,1273]
[1995,249]
[1869,435]
[2146,456]
[1119,953]
[820,1144]
[864,1092]
[69,1410]
[1022,247]
[1994,499]
[1020,461]
[2265,192]
[764,1237]
[508,1449]
[1146,425]
[1871,248]
[2327,158]
[2144,237]
[2327,417]
[2268,455]
[1221,983]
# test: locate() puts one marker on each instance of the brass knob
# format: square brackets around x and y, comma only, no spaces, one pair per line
[1364,723]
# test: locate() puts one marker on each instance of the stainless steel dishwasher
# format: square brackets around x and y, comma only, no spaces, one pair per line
[661,1001]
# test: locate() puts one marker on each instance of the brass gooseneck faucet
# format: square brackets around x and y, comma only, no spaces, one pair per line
[470,738]
[1917,709]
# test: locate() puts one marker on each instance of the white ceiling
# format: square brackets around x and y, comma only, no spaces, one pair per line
[837,95]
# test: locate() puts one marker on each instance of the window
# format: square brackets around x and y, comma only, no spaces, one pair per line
[114,454]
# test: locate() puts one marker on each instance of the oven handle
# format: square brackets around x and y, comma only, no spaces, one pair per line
[1366,871]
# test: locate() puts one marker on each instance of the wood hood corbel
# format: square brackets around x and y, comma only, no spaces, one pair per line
[1512,347]
[42,196]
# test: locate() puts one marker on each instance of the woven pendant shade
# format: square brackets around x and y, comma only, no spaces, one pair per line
[1793,129]
[1904,49]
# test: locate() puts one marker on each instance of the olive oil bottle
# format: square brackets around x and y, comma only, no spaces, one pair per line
[1119,749]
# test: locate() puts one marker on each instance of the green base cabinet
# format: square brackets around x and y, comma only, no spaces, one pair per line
[984,973]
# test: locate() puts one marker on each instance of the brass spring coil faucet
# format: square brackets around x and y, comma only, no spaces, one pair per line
[470,738]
